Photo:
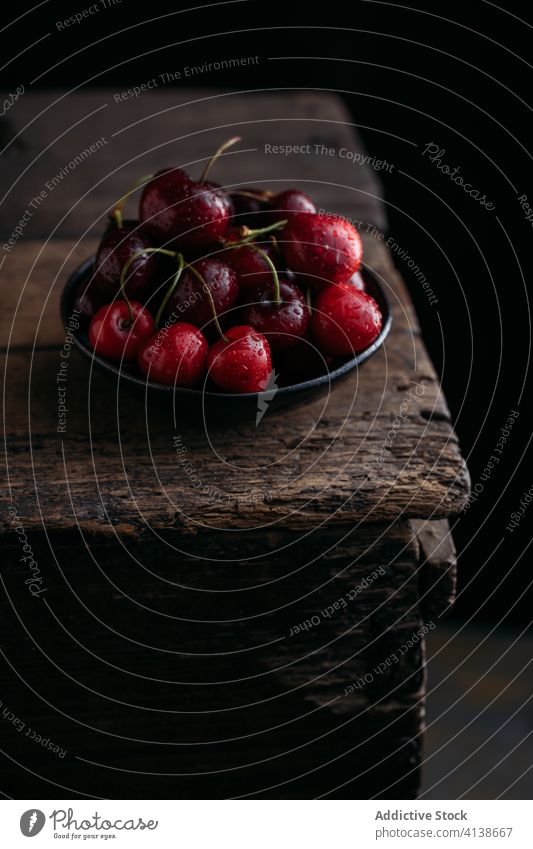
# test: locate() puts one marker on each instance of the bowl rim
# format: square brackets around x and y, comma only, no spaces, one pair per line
[83,268]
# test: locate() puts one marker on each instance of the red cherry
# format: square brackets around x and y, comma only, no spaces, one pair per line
[190,302]
[176,355]
[185,214]
[345,320]
[117,246]
[156,207]
[251,267]
[241,362]
[282,324]
[114,335]
[202,218]
[286,203]
[180,213]
[324,248]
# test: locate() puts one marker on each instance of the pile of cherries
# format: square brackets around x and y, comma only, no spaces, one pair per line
[223,285]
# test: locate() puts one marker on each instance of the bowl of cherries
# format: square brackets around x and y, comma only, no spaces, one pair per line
[226,297]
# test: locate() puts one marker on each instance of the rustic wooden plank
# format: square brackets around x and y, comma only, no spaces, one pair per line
[143,569]
[254,673]
[177,127]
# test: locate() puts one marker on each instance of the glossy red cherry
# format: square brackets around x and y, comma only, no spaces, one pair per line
[251,267]
[117,333]
[281,323]
[176,356]
[345,320]
[183,214]
[241,362]
[324,248]
[190,302]
[118,245]
[285,204]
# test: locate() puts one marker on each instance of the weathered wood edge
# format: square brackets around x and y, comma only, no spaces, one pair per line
[437,574]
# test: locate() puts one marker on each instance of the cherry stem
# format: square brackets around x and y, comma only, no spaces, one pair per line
[116,212]
[207,291]
[275,245]
[247,235]
[175,281]
[308,300]
[215,156]
[273,269]
[128,303]
[116,217]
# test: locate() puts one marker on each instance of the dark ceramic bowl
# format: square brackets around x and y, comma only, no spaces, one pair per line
[239,406]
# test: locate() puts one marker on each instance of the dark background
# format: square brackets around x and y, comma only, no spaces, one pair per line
[454,74]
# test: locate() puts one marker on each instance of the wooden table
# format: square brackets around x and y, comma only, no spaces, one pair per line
[257,633]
